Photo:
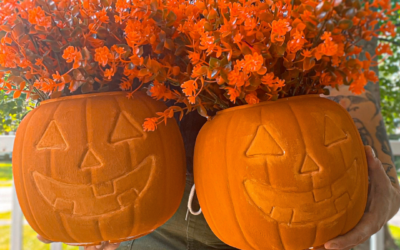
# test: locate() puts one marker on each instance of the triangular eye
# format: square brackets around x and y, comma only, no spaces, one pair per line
[124,130]
[91,160]
[52,138]
[332,132]
[309,166]
[264,144]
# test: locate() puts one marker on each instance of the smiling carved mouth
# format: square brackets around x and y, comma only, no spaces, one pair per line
[95,200]
[316,205]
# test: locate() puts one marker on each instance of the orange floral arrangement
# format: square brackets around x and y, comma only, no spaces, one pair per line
[203,54]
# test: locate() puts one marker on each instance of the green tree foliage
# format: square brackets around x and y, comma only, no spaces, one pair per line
[389,81]
[12,111]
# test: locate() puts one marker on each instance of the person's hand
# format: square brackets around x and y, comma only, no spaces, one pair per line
[104,245]
[383,203]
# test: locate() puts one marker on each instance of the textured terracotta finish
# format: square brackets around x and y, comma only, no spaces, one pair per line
[86,172]
[289,174]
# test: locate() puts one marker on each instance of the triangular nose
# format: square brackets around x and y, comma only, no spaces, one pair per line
[91,160]
[309,165]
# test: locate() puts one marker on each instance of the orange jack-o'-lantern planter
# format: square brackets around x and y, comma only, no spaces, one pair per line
[290,174]
[85,171]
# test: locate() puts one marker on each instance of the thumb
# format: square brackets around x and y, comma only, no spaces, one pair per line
[376,172]
[43,239]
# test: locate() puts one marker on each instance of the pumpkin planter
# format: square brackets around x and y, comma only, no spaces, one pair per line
[290,174]
[85,171]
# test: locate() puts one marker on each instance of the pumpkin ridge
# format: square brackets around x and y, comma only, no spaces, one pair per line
[87,136]
[22,183]
[301,135]
[279,233]
[200,188]
[229,183]
[265,159]
[147,105]
[52,171]
[128,142]
[47,170]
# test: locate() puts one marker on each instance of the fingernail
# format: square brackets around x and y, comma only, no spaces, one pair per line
[333,246]
[98,246]
[373,152]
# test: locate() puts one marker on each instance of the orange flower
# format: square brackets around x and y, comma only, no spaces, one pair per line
[297,43]
[69,54]
[126,84]
[207,43]
[119,50]
[236,77]
[233,94]
[327,36]
[102,16]
[189,87]
[383,49]
[280,83]
[108,73]
[250,24]
[194,57]
[37,16]
[328,48]
[307,16]
[268,79]
[39,62]
[237,38]
[279,30]
[150,124]
[358,84]
[253,62]
[328,80]
[72,54]
[192,99]
[332,80]
[252,98]
[57,77]
[370,75]
[306,53]
[160,91]
[101,56]
[335,61]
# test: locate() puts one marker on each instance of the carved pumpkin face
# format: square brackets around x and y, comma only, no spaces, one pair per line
[290,174]
[86,172]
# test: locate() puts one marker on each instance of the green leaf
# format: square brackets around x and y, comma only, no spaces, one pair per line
[345,24]
[171,18]
[77,31]
[154,5]
[214,63]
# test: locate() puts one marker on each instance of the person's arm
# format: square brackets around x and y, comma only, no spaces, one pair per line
[366,114]
[384,194]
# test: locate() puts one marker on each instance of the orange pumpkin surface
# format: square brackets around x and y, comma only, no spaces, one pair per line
[85,171]
[290,174]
